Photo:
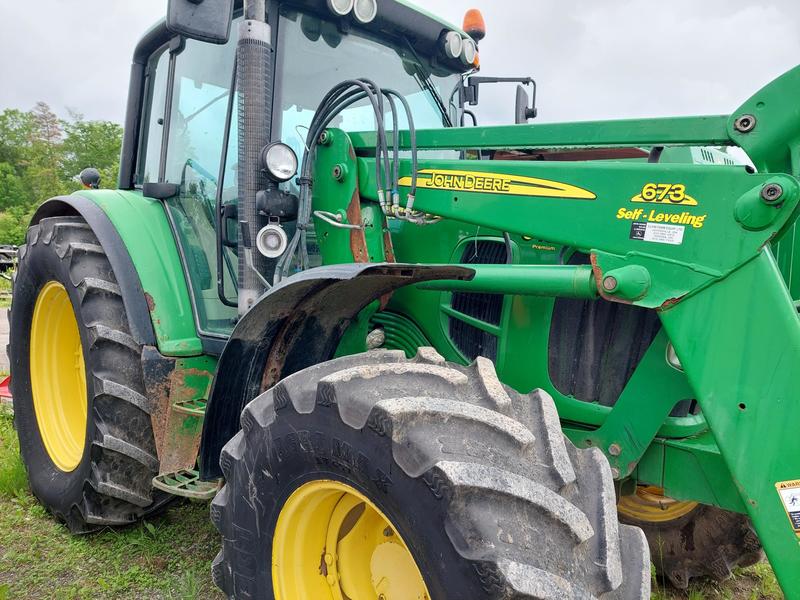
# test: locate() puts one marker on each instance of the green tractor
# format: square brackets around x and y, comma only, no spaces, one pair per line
[405,356]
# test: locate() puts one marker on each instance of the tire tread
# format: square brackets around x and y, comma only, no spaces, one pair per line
[123,460]
[524,471]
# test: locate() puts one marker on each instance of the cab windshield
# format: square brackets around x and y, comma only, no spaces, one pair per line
[188,92]
[315,56]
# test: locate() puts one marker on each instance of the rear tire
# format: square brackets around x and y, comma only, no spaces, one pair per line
[111,484]
[489,497]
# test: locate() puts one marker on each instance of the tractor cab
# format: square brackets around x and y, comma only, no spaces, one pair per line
[182,141]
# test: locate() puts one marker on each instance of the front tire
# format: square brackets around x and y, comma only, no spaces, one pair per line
[80,409]
[690,540]
[475,480]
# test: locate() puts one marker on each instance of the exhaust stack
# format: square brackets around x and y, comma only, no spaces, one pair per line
[253,72]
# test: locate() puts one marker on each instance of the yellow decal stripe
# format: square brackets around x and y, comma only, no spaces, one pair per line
[686,201]
[495,183]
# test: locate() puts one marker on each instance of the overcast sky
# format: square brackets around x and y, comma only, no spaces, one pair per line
[591,58]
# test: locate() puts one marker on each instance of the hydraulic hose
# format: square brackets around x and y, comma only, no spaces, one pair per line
[338,99]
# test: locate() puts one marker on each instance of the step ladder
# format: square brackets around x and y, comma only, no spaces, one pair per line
[187,484]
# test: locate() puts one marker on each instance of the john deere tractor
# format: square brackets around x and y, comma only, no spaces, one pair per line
[405,355]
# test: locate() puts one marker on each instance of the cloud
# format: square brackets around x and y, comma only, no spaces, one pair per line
[632,58]
[72,55]
[609,59]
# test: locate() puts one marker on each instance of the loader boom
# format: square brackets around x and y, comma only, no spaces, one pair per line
[689,241]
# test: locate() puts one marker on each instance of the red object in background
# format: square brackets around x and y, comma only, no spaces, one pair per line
[5,392]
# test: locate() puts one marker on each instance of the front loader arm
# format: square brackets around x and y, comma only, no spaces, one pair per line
[767,125]
[690,241]
[739,344]
[717,222]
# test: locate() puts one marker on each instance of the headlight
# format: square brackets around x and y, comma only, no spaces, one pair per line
[272,240]
[365,11]
[340,7]
[453,44]
[468,52]
[280,161]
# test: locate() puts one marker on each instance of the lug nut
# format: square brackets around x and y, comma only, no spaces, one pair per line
[745,123]
[615,449]
[771,193]
[609,283]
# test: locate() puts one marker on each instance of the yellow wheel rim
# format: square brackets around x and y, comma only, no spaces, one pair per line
[649,504]
[58,379]
[332,542]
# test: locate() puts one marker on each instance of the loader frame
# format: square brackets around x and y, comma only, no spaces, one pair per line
[700,250]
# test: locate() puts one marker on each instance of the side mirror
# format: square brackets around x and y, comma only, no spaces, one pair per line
[160,191]
[523,110]
[204,20]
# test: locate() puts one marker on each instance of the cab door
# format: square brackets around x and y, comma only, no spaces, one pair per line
[189,138]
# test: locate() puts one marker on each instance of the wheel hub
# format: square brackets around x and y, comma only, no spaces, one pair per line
[332,542]
[649,504]
[58,377]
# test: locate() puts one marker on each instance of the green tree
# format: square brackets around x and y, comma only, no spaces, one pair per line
[48,131]
[41,156]
[42,170]
[90,144]
[43,182]
[14,224]
[16,136]
[12,189]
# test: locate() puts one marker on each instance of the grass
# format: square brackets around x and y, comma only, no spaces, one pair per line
[754,583]
[13,481]
[169,557]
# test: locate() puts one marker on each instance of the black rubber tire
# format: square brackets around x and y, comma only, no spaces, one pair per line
[112,483]
[706,543]
[479,481]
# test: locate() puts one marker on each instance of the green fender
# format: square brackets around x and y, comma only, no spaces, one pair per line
[136,235]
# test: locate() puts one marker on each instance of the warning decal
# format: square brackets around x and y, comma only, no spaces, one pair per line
[789,492]
[658,233]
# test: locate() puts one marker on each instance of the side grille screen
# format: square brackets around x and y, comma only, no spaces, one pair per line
[471,341]
[595,346]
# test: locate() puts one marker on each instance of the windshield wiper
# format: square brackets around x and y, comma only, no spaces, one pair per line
[423,78]
[205,106]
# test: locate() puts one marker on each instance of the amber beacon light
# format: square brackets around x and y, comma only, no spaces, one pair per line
[474,25]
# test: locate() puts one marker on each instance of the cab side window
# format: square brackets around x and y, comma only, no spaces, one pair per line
[152,131]
[200,95]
